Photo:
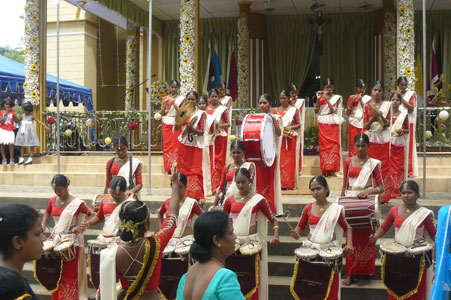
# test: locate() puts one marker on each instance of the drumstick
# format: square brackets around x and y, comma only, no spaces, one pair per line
[285,217]
[372,217]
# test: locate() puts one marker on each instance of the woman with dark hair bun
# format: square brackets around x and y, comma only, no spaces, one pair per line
[414,228]
[250,213]
[289,150]
[362,177]
[21,241]
[376,122]
[169,107]
[68,213]
[328,107]
[193,150]
[237,151]
[409,106]
[137,262]
[326,222]
[218,147]
[355,110]
[208,278]
[124,165]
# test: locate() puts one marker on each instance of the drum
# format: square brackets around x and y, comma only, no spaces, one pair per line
[96,246]
[393,248]
[422,250]
[307,254]
[361,213]
[97,200]
[47,247]
[259,139]
[183,246]
[251,248]
[66,249]
[332,257]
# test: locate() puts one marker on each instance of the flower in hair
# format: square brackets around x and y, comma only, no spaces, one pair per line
[130,226]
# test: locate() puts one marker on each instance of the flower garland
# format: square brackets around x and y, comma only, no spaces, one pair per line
[159,89]
[390,52]
[187,74]
[32,51]
[243,57]
[130,77]
[406,40]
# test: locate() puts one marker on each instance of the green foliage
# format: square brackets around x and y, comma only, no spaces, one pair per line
[14,54]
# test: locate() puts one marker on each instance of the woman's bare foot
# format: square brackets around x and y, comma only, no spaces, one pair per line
[362,281]
[347,281]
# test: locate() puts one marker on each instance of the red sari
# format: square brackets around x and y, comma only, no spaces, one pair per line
[68,288]
[288,149]
[191,149]
[329,136]
[308,218]
[219,151]
[397,160]
[170,143]
[379,149]
[393,218]
[363,260]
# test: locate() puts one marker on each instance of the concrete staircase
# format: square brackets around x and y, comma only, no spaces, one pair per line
[31,185]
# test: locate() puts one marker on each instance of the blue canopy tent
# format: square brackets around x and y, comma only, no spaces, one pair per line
[12,77]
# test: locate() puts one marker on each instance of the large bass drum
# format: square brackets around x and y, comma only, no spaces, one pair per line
[259,139]
[361,213]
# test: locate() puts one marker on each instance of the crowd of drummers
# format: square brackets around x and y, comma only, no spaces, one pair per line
[222,253]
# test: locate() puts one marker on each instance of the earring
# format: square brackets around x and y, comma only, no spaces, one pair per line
[219,245]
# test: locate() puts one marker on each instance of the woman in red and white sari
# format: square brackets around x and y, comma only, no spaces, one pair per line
[68,212]
[268,178]
[195,162]
[299,103]
[289,151]
[409,105]
[328,108]
[398,146]
[218,150]
[355,109]
[361,178]
[414,225]
[376,121]
[169,106]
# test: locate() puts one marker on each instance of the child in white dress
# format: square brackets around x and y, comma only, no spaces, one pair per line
[27,136]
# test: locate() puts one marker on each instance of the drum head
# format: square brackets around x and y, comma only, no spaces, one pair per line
[268,141]
[48,245]
[331,252]
[302,252]
[168,250]
[64,245]
[393,248]
[417,249]
[251,248]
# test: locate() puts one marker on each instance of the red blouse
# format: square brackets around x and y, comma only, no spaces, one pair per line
[353,172]
[367,114]
[164,234]
[106,208]
[295,118]
[233,207]
[114,170]
[353,102]
[394,218]
[56,211]
[307,217]
[9,122]
[164,209]
[227,176]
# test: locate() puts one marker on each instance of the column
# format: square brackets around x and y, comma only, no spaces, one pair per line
[131,67]
[243,55]
[389,46]
[406,40]
[187,46]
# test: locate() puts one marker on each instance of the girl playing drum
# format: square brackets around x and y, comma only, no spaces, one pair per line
[362,177]
[289,150]
[68,213]
[414,225]
[248,211]
[326,222]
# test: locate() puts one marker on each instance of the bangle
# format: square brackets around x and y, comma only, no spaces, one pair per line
[274,227]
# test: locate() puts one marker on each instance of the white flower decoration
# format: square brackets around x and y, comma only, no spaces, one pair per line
[187,36]
[32,62]
[130,67]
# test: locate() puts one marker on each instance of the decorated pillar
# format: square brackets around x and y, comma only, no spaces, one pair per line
[35,20]
[131,67]
[187,46]
[243,55]
[406,40]
[389,49]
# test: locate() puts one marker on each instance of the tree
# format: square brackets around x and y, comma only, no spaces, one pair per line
[14,54]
